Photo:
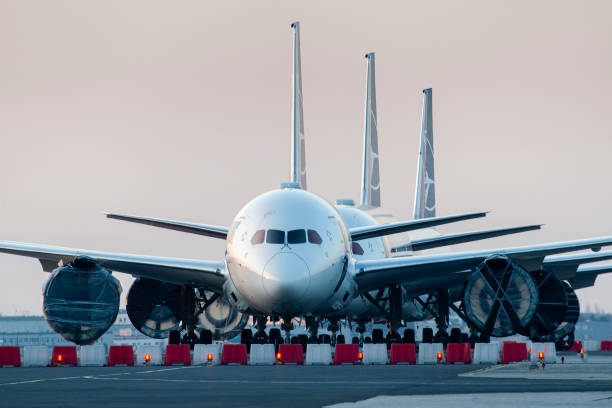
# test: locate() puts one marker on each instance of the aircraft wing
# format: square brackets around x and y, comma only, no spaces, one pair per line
[214,231]
[373,231]
[380,273]
[586,276]
[208,274]
[453,239]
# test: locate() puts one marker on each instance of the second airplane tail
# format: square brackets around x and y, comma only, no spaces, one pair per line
[425,194]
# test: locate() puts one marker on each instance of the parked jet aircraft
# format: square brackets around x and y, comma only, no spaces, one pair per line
[288,253]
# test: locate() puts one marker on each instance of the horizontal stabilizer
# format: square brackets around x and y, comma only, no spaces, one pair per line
[190,227]
[453,239]
[373,231]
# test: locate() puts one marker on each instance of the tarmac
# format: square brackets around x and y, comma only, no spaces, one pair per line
[300,386]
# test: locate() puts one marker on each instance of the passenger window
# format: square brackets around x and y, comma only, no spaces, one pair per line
[357,249]
[296,236]
[258,237]
[314,237]
[275,237]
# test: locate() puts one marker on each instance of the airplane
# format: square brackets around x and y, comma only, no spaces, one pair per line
[289,253]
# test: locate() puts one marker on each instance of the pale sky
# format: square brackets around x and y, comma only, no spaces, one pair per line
[182,110]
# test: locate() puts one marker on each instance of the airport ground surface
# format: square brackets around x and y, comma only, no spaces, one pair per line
[289,386]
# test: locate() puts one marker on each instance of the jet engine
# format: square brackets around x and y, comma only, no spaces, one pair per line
[154,307]
[500,297]
[217,315]
[552,306]
[563,332]
[81,300]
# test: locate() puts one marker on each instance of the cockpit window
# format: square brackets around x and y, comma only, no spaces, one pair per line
[314,237]
[357,249]
[296,236]
[275,237]
[258,237]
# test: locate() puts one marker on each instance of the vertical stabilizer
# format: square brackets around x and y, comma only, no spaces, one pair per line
[425,195]
[370,185]
[298,154]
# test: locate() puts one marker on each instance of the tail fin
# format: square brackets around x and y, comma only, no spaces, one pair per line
[298,154]
[425,195]
[370,186]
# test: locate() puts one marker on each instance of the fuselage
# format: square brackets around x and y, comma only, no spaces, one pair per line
[288,252]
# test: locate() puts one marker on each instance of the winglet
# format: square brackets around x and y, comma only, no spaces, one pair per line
[425,195]
[370,184]
[298,154]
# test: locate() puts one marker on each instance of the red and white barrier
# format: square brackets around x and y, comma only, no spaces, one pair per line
[10,356]
[234,354]
[177,354]
[402,354]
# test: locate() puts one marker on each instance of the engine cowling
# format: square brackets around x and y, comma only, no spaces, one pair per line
[500,297]
[552,306]
[220,317]
[154,307]
[564,330]
[81,300]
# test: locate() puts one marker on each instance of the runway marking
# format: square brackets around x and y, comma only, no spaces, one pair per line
[39,380]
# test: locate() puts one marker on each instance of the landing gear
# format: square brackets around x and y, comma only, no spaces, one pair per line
[360,330]
[260,336]
[189,316]
[287,326]
[442,316]
[334,328]
[312,325]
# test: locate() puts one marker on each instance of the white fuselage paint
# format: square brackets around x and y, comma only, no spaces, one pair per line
[286,278]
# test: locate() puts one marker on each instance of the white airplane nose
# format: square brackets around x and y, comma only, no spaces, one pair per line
[286,278]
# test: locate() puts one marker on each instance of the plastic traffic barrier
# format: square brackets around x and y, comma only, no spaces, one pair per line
[177,354]
[35,356]
[592,345]
[92,356]
[346,354]
[290,354]
[10,356]
[234,354]
[120,355]
[262,354]
[428,353]
[487,353]
[458,353]
[548,352]
[210,354]
[606,345]
[576,347]
[374,354]
[148,354]
[64,355]
[513,352]
[318,354]
[402,354]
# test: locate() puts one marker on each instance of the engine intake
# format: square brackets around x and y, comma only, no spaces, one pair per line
[154,307]
[500,297]
[81,300]
[219,316]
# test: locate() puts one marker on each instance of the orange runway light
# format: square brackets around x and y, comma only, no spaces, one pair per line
[278,356]
[541,354]
[439,356]
[529,351]
[582,352]
[360,356]
[59,358]
[147,357]
[210,357]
